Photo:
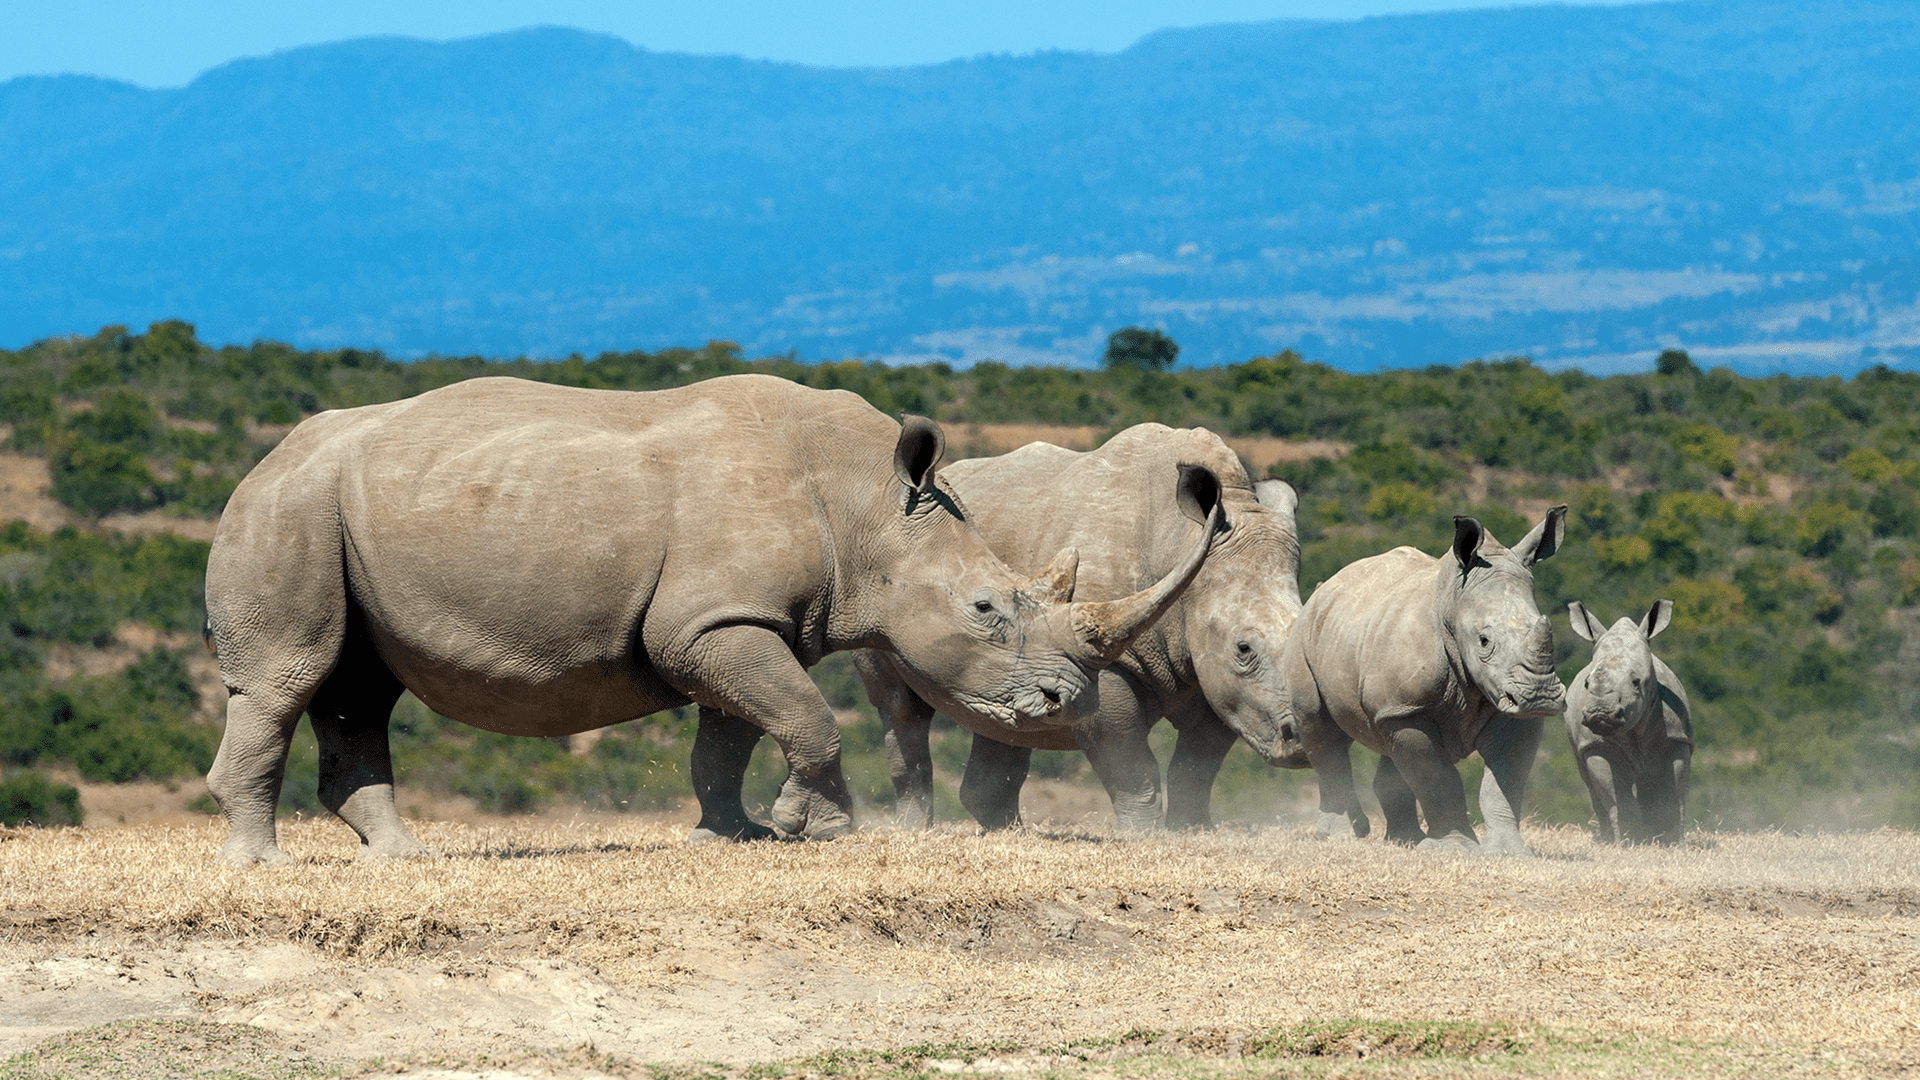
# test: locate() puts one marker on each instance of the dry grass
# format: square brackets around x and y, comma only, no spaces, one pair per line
[1037,938]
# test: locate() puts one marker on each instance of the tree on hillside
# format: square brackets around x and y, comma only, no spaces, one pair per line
[1675,362]
[1135,348]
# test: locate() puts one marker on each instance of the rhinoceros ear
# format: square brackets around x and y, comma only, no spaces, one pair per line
[1198,492]
[1584,624]
[1467,534]
[1277,496]
[1545,538]
[919,450]
[1657,618]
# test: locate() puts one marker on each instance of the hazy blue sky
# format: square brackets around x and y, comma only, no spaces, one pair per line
[168,43]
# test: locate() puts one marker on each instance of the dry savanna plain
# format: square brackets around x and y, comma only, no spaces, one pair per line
[608,947]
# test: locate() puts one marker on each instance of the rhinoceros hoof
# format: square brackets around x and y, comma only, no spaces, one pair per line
[1338,827]
[746,831]
[1505,844]
[1452,842]
[1410,837]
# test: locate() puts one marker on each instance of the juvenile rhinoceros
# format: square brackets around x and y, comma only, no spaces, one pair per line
[538,560]
[1209,666]
[1631,728]
[1425,661]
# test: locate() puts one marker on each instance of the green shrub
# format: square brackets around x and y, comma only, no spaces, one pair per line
[28,798]
[100,478]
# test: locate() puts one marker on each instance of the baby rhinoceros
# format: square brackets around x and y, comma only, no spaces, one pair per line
[1631,729]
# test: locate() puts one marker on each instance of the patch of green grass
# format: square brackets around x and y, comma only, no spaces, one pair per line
[168,1050]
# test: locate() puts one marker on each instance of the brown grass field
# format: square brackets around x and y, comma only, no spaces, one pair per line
[609,948]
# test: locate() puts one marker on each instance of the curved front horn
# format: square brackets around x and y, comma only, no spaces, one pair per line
[1108,627]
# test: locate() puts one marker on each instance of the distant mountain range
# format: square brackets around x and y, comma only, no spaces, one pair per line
[1582,185]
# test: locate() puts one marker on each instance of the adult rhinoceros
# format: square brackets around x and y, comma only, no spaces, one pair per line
[538,560]
[1631,728]
[1425,661]
[1209,666]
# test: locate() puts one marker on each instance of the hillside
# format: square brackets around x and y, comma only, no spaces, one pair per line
[1782,516]
[1581,185]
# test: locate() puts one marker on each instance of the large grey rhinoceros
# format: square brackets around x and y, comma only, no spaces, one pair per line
[1631,728]
[1209,666]
[539,560]
[1424,661]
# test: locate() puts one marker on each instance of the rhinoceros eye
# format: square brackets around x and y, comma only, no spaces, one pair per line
[983,606]
[1243,648]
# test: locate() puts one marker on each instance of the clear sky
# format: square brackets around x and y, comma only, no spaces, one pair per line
[159,43]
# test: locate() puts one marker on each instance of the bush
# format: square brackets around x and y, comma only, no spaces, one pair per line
[28,798]
[100,478]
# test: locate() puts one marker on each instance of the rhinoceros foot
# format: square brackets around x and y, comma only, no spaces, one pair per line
[240,852]
[816,807]
[1403,834]
[1333,826]
[1505,842]
[1461,843]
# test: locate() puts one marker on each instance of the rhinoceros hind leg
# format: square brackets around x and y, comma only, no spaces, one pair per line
[990,788]
[1397,804]
[908,721]
[246,774]
[1197,755]
[349,713]
[722,748]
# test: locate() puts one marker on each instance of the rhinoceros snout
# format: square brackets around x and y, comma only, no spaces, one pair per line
[1603,724]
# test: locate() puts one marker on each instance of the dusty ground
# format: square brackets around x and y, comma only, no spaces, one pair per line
[1795,954]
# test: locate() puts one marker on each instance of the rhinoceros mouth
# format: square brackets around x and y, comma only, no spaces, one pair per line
[1604,724]
[1532,702]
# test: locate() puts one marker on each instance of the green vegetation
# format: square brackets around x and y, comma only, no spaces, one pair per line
[1782,515]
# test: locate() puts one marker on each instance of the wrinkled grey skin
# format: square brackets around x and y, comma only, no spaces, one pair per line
[540,560]
[1631,729]
[1424,661]
[1210,666]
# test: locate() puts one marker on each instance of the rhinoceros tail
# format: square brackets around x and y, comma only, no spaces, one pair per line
[206,638]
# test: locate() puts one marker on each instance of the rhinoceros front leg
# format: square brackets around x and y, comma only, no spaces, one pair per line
[1415,748]
[1204,742]
[748,672]
[1397,804]
[1340,813]
[990,788]
[1609,782]
[1116,745]
[722,749]
[908,722]
[1509,747]
[350,714]
[1661,796]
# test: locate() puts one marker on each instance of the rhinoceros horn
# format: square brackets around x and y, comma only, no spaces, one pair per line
[1539,646]
[1054,585]
[1109,627]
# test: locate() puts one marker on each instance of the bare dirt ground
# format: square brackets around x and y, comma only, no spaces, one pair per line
[1035,951]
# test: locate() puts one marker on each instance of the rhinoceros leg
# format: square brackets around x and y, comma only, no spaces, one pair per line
[990,788]
[1660,794]
[722,749]
[1508,746]
[747,671]
[1397,804]
[1204,742]
[1340,813]
[246,773]
[1115,741]
[1415,748]
[908,721]
[1609,783]
[349,715]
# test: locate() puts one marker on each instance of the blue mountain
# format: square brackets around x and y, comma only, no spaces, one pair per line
[1582,185]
